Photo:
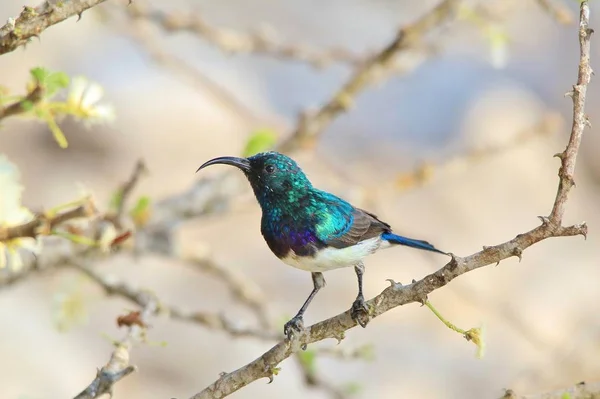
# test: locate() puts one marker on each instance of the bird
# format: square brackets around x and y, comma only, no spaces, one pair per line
[314,230]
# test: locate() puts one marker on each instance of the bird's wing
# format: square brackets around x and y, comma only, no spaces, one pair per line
[361,225]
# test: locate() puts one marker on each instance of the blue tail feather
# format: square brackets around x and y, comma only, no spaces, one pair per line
[409,242]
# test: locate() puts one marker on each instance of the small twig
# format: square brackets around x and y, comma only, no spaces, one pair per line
[33,21]
[580,120]
[23,105]
[43,224]
[230,41]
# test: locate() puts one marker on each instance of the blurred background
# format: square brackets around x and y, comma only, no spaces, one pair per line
[477,109]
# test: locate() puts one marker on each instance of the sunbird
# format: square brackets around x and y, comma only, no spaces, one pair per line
[311,229]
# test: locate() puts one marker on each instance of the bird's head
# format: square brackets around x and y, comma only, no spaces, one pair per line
[273,176]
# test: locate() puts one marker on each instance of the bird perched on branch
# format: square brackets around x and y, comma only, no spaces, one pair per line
[311,229]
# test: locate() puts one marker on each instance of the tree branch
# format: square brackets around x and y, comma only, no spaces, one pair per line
[397,294]
[44,224]
[33,21]
[21,106]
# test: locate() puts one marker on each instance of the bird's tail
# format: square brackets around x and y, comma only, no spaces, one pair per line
[409,242]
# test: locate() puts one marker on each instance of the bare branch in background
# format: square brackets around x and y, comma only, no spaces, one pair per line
[398,294]
[34,20]
[119,365]
[579,391]
[242,288]
[424,172]
[557,10]
[311,125]
[212,321]
[233,42]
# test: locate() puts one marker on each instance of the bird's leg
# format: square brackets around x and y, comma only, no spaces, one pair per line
[360,311]
[296,324]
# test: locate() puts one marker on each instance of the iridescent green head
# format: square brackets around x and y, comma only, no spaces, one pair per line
[273,176]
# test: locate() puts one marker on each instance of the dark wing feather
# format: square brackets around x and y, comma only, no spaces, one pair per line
[364,225]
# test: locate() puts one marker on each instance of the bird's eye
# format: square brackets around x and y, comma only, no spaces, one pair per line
[269,169]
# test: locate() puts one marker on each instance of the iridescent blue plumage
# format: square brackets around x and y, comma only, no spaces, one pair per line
[311,229]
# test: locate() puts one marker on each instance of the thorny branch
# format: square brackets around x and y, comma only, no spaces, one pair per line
[32,21]
[398,294]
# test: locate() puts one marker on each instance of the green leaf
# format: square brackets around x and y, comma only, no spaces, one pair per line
[56,81]
[141,205]
[39,74]
[27,105]
[51,81]
[308,360]
[140,213]
[259,141]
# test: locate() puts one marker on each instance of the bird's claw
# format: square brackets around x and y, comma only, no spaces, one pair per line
[360,312]
[293,327]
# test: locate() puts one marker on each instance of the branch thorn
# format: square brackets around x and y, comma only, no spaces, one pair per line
[518,252]
[394,284]
[545,220]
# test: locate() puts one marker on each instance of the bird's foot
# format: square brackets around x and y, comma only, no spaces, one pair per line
[360,312]
[293,327]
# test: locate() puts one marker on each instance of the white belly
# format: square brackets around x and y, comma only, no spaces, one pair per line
[333,258]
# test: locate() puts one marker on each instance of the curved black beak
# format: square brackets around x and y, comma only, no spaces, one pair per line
[241,163]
